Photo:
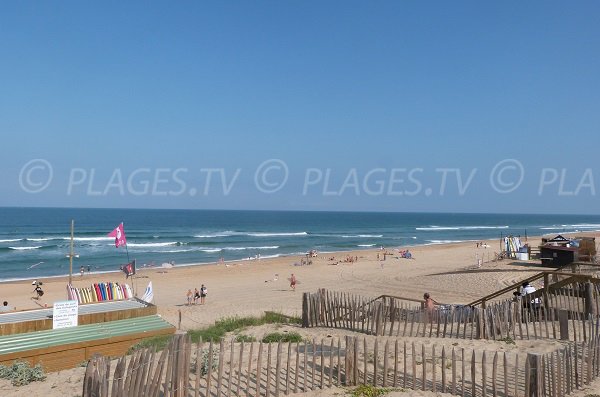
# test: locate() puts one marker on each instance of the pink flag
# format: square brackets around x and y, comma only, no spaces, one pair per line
[119,235]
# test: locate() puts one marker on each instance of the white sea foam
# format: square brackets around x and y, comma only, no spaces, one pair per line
[226,233]
[438,228]
[262,257]
[431,242]
[268,247]
[10,240]
[363,236]
[277,234]
[175,251]
[24,248]
[99,238]
[41,239]
[365,245]
[166,244]
[575,226]
[211,250]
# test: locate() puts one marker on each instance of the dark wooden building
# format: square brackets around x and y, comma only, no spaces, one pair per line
[557,256]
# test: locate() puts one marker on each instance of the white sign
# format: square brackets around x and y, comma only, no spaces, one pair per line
[64,314]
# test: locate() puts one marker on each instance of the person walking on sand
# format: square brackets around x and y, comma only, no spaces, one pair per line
[293,282]
[196,295]
[203,293]
[5,308]
[189,297]
[429,306]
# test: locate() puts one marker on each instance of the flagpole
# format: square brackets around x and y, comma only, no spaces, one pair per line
[126,249]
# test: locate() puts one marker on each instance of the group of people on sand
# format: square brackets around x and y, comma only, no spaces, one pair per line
[193,297]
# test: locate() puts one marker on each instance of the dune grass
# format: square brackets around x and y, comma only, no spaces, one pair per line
[220,328]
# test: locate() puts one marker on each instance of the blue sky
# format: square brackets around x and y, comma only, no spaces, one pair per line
[362,89]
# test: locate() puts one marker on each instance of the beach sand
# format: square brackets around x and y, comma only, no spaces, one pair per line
[447,271]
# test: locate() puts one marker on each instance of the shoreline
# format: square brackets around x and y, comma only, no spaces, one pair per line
[249,287]
[266,257]
[76,275]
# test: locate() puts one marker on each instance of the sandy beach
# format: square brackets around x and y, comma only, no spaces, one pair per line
[447,271]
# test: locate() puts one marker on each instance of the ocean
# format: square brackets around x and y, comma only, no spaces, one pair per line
[34,242]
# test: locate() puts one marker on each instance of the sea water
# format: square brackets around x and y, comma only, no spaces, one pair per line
[34,242]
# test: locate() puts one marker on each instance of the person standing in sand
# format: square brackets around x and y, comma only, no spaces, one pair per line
[203,293]
[293,282]
[429,306]
[196,295]
[189,297]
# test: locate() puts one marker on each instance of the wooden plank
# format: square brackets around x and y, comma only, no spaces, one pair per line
[405,366]
[444,385]
[505,373]
[168,374]
[473,371]
[355,358]
[259,369]
[322,364]
[220,368]
[405,312]
[239,369]
[483,374]
[392,315]
[385,363]
[453,371]
[375,361]
[365,359]
[297,367]
[395,378]
[553,375]
[314,363]
[249,371]
[305,368]
[231,368]
[278,369]
[288,369]
[330,376]
[339,363]
[463,372]
[433,370]
[559,375]
[414,367]
[268,385]
[495,375]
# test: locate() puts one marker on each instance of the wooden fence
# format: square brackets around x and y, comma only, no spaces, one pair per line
[260,369]
[567,312]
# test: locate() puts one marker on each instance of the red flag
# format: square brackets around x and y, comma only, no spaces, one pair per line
[119,235]
[129,269]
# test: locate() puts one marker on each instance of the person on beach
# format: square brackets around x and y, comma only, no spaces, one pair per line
[38,289]
[81,270]
[5,308]
[189,296]
[293,282]
[203,293]
[429,306]
[196,296]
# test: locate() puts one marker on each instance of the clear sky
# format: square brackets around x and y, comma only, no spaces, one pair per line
[377,106]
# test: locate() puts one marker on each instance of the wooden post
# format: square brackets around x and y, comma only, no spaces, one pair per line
[534,376]
[563,322]
[349,367]
[589,300]
[305,310]
[179,323]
